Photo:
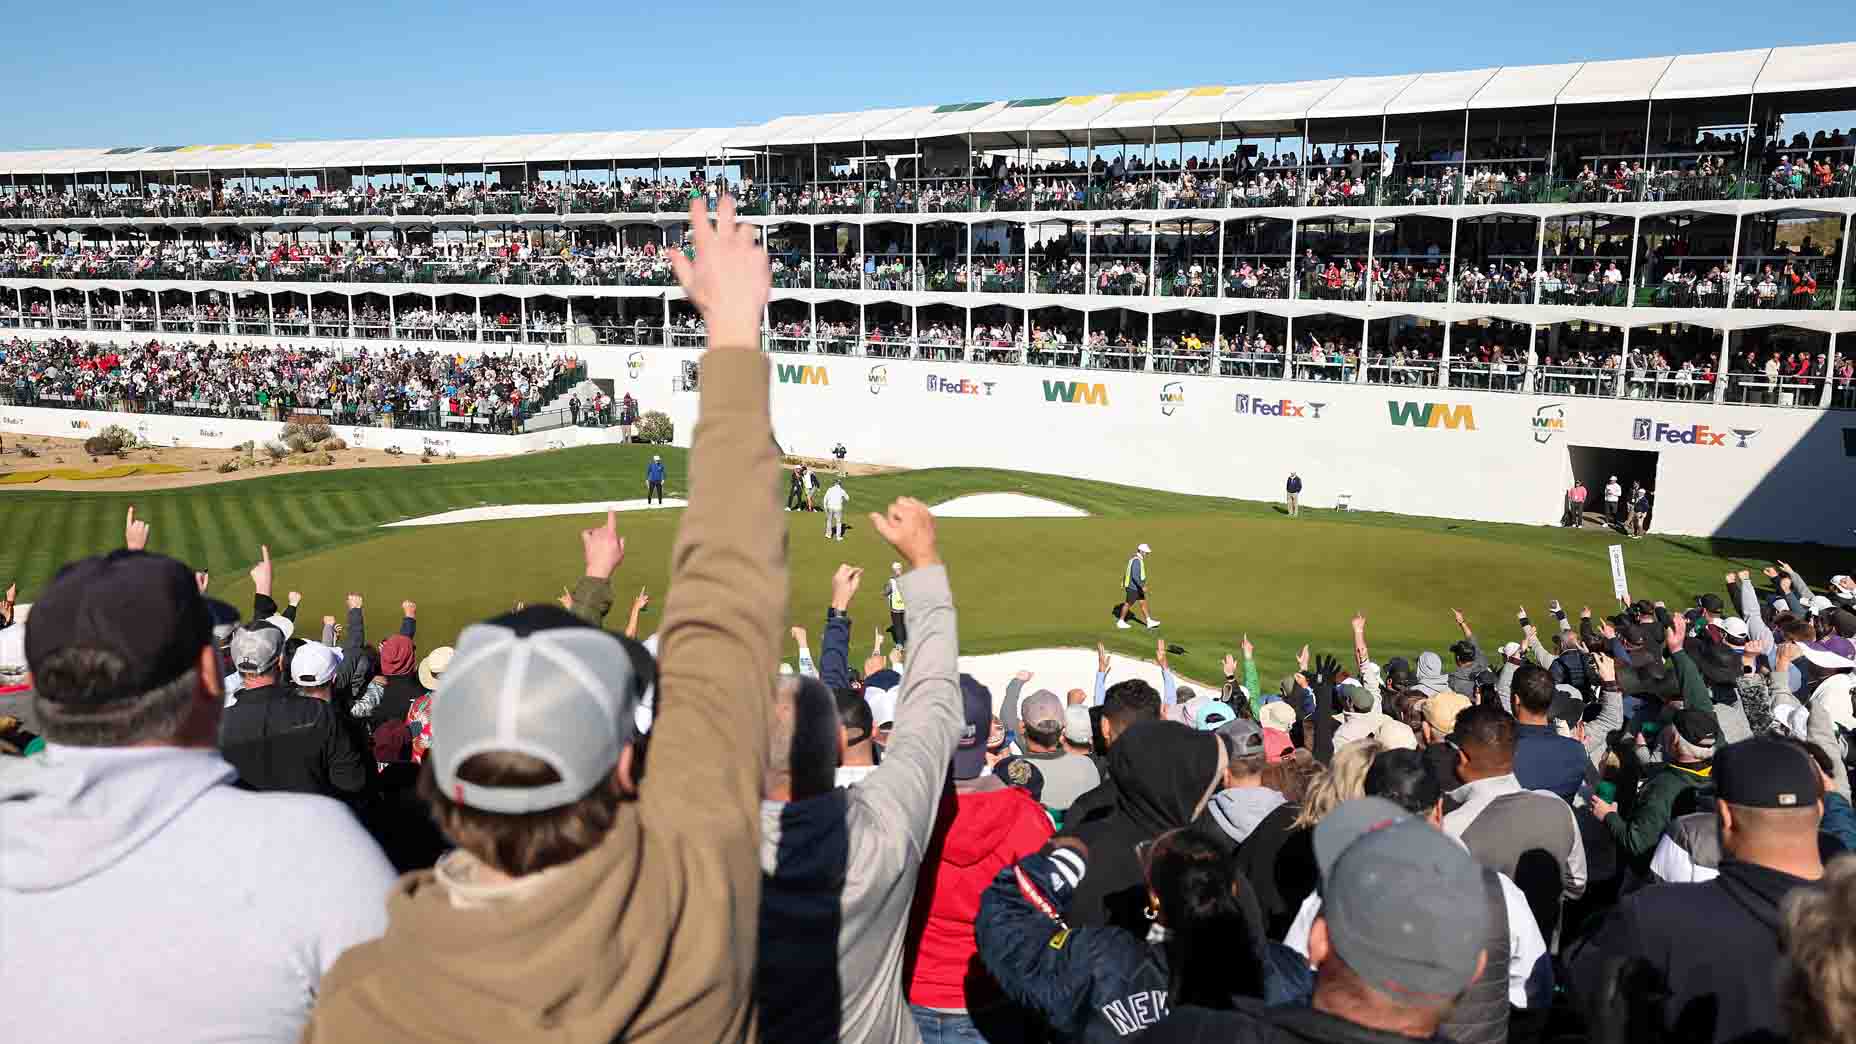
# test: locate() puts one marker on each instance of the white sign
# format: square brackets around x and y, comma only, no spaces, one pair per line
[1618,584]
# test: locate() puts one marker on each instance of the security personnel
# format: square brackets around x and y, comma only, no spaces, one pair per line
[654,479]
[898,625]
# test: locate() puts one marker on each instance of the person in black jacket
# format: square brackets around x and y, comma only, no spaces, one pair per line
[278,739]
[1703,957]
[1293,494]
[1164,774]
[1098,984]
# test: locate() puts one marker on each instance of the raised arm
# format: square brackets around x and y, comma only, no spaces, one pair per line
[720,641]
[834,650]
[1250,679]
[1757,632]
[1101,675]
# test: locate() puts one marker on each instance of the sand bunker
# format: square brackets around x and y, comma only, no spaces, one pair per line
[498,512]
[1005,505]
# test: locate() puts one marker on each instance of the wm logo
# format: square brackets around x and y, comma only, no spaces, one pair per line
[1076,391]
[1432,415]
[790,374]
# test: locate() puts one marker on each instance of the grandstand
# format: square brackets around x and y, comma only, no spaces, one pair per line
[1605,250]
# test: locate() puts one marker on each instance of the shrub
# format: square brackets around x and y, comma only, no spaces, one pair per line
[276,450]
[425,458]
[334,443]
[96,444]
[27,451]
[325,459]
[298,442]
[451,454]
[227,466]
[394,451]
[656,426]
[118,437]
[314,431]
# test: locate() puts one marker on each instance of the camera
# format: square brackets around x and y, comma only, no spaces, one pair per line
[839,452]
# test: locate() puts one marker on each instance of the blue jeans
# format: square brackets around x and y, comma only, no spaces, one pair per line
[1002,1025]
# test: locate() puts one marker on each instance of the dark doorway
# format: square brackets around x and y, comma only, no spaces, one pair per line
[1594,466]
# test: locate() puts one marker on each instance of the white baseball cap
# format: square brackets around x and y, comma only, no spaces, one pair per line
[314,665]
[1145,550]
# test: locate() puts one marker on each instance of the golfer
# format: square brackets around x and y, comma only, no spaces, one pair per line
[1134,588]
[835,499]
[654,480]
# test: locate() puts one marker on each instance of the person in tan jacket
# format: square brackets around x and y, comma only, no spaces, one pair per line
[590,899]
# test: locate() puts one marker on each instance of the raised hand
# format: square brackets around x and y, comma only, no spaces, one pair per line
[134,534]
[799,636]
[1101,658]
[409,609]
[1230,666]
[1458,613]
[1022,676]
[1249,649]
[261,573]
[1359,621]
[1327,668]
[566,599]
[296,598]
[844,586]
[1160,652]
[603,548]
[1770,572]
[328,621]
[908,525]
[729,278]
[1301,660]
[1607,668]
[201,579]
[354,601]
[641,601]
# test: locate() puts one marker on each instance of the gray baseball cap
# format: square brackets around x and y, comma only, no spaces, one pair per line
[541,683]
[1392,893]
[1242,737]
[257,648]
[1043,708]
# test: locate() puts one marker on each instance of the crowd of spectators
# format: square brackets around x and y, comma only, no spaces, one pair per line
[393,387]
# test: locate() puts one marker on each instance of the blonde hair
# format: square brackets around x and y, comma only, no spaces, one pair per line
[1343,780]
[1819,986]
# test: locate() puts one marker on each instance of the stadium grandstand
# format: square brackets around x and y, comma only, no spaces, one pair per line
[1670,229]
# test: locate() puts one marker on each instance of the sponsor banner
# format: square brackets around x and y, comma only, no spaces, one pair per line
[1549,420]
[1257,406]
[941,385]
[1646,429]
[1172,398]
[1432,415]
[634,365]
[1076,392]
[791,373]
[877,378]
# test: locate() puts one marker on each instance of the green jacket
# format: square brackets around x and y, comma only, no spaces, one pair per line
[1653,806]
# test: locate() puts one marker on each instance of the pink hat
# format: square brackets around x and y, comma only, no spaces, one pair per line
[1276,745]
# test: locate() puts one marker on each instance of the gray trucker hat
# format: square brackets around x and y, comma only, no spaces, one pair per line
[537,682]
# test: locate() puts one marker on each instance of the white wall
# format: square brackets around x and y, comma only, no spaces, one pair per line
[1789,481]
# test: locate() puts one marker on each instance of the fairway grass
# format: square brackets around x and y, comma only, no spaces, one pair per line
[1220,568]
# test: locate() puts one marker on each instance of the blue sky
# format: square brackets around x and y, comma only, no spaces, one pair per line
[112,74]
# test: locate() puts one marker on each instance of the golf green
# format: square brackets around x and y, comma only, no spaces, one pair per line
[1220,569]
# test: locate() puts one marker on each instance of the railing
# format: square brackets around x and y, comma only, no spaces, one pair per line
[517,421]
[1675,385]
[1410,374]
[1500,376]
[1597,382]
[1759,389]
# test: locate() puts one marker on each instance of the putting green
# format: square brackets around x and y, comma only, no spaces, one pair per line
[1221,568]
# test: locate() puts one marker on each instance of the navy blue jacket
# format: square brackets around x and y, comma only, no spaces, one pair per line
[1546,760]
[1295,483]
[1093,983]
[655,473]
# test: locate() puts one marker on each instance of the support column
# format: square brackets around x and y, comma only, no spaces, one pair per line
[1622,384]
[1720,369]
[1824,398]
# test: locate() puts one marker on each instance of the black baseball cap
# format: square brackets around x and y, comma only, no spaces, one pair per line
[1764,772]
[1566,707]
[1710,602]
[1698,727]
[142,607]
[1020,772]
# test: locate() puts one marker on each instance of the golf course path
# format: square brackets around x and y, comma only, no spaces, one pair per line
[1005,505]
[498,512]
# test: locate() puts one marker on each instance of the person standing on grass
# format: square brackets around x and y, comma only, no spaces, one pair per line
[654,480]
[796,489]
[1294,489]
[835,499]
[1640,511]
[1614,502]
[1134,588]
[898,606]
[1575,504]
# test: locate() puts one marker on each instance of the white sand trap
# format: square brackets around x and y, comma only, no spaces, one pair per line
[499,512]
[1005,505]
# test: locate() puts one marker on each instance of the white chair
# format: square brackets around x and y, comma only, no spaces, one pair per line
[1343,502]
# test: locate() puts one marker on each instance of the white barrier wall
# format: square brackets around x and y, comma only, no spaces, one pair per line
[1734,471]
[221,432]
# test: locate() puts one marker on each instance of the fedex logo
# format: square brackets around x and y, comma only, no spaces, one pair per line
[1643,429]
[943,386]
[1279,408]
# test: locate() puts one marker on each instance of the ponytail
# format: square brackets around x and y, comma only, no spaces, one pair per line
[1212,948]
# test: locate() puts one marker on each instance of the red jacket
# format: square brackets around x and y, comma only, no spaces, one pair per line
[977,833]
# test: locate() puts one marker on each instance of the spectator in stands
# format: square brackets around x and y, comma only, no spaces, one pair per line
[1393,948]
[981,827]
[1688,948]
[280,739]
[576,867]
[840,864]
[220,910]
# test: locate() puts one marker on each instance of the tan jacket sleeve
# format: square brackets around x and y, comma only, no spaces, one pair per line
[930,715]
[719,644]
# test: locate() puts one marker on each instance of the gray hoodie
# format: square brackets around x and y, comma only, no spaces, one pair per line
[1237,811]
[144,897]
[839,869]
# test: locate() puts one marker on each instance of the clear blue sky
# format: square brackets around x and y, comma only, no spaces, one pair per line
[111,73]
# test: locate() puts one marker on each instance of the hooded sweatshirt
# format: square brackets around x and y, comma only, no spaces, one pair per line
[1431,677]
[983,827]
[1238,810]
[1164,775]
[839,869]
[144,897]
[650,936]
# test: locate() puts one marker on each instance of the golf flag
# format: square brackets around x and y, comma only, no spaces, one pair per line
[1618,584]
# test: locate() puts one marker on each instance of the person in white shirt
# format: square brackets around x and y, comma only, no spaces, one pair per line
[835,499]
[1614,500]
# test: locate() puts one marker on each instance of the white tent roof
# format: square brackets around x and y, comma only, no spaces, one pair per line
[1819,67]
[1518,86]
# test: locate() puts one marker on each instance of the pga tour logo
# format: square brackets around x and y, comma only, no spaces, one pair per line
[1257,406]
[1645,429]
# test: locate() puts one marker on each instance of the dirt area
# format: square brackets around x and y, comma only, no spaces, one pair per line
[851,468]
[203,464]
